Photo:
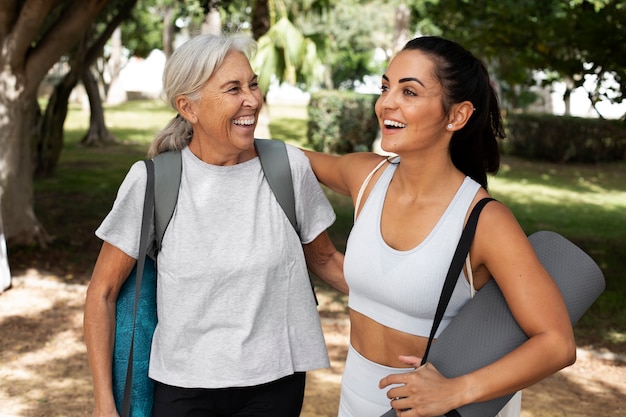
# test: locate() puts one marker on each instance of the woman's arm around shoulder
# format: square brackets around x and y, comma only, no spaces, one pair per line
[343,174]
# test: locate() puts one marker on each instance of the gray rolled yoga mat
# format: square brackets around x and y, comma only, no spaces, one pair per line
[485,330]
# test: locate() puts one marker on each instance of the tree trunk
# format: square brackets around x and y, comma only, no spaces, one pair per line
[260,18]
[401,27]
[17,127]
[98,134]
[168,31]
[31,45]
[567,96]
[49,142]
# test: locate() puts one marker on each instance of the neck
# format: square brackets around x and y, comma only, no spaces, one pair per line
[426,178]
[214,154]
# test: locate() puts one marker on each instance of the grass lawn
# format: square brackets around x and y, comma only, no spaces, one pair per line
[585,203]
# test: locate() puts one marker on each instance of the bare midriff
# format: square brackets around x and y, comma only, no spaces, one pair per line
[382,344]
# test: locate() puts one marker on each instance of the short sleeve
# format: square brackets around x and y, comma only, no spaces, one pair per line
[313,210]
[122,226]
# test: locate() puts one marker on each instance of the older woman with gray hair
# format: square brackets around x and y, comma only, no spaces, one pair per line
[237,320]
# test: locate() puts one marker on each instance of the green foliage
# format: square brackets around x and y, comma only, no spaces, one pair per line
[350,67]
[348,49]
[342,122]
[143,32]
[565,139]
[284,52]
[307,45]
[576,40]
[587,204]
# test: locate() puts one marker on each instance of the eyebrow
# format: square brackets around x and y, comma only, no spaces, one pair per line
[254,78]
[405,80]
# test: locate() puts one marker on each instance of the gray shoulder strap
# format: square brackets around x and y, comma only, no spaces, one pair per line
[275,164]
[167,167]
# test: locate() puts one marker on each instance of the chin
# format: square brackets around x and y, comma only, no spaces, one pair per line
[387,145]
[384,149]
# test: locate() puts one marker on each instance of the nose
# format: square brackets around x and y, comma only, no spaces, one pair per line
[387,100]
[252,98]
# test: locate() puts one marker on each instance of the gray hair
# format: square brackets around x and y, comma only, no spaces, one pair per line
[185,73]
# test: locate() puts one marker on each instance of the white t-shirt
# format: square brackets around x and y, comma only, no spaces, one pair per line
[234,300]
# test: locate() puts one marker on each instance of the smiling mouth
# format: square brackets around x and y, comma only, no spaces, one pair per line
[392,124]
[245,121]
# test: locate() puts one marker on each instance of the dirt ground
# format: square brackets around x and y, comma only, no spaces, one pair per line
[44,372]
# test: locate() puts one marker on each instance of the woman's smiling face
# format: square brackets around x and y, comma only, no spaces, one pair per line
[229,104]
[409,109]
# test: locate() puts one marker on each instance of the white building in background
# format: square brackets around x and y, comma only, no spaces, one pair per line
[551,101]
[581,106]
[141,78]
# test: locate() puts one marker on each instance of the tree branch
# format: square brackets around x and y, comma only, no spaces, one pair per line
[27,27]
[61,37]
[7,18]
[94,50]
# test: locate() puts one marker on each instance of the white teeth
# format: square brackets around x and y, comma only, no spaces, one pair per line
[244,121]
[393,123]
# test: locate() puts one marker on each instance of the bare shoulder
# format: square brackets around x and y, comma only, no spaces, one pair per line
[497,223]
[502,246]
[358,166]
[362,163]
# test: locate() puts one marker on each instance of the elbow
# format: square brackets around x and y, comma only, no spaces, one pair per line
[101,294]
[567,351]
[570,357]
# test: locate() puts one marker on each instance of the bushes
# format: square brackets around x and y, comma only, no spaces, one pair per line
[342,122]
[564,139]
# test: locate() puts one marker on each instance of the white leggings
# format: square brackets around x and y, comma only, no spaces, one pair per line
[361,397]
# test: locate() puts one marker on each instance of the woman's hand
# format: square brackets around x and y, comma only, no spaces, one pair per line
[423,392]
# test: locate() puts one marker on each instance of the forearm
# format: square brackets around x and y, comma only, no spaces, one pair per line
[426,392]
[326,262]
[110,271]
[538,358]
[331,272]
[99,330]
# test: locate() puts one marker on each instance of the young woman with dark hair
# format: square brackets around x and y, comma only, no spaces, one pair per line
[439,115]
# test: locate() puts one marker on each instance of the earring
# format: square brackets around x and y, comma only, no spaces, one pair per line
[450,126]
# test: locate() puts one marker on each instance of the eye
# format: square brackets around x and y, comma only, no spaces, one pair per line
[408,92]
[254,85]
[384,88]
